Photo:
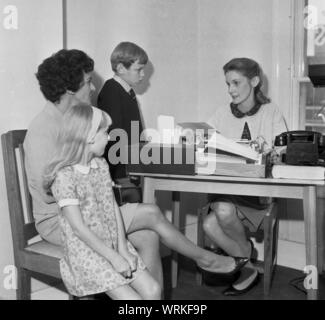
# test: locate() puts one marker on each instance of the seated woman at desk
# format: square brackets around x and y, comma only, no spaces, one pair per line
[252,116]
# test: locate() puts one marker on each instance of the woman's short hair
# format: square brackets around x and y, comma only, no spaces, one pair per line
[127,53]
[250,69]
[63,71]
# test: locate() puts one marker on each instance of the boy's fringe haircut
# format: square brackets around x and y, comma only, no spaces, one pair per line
[127,53]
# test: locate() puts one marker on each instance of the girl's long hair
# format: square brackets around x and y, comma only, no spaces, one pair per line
[72,140]
[250,69]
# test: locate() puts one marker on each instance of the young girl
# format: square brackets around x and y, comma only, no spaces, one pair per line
[97,255]
[250,115]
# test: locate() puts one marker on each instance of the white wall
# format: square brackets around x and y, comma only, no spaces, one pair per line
[229,29]
[39,34]
[167,30]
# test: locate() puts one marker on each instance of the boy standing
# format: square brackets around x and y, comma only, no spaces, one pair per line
[118,99]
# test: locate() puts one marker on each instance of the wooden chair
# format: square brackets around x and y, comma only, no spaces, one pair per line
[270,227]
[41,257]
[127,193]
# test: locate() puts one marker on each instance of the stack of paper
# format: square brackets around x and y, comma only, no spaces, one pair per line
[298,172]
[202,158]
[219,142]
[214,163]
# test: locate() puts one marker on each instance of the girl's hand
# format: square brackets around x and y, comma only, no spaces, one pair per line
[130,258]
[122,266]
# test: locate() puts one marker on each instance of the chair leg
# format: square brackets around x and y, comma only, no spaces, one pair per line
[176,222]
[202,213]
[270,246]
[23,291]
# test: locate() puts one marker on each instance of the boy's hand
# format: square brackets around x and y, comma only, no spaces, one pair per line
[130,258]
[122,266]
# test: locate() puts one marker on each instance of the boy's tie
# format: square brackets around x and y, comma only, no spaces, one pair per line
[132,94]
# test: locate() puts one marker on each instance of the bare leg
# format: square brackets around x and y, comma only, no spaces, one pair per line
[225,228]
[124,293]
[215,233]
[150,217]
[147,244]
[147,287]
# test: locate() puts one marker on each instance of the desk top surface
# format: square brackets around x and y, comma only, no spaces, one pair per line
[231,179]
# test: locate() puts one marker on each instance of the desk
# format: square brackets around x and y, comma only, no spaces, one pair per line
[263,187]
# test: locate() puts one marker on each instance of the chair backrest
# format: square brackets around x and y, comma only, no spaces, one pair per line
[22,229]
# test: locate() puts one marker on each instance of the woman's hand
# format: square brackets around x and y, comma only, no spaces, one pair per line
[121,265]
[130,258]
[275,157]
[259,144]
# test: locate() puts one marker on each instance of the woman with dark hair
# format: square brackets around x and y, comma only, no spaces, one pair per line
[251,115]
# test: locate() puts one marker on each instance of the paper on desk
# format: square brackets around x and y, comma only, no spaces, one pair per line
[218,141]
[298,172]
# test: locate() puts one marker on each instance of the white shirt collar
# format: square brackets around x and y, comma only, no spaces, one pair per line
[85,169]
[122,82]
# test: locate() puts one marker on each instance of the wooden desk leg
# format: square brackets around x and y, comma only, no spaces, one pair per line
[176,223]
[310,219]
[149,190]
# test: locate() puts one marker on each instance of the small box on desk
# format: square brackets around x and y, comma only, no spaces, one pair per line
[161,158]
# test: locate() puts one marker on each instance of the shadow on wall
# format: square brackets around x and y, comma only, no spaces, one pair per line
[98,82]
[145,83]
[144,86]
